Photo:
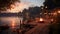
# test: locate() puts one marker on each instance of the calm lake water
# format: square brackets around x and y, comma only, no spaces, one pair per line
[10,21]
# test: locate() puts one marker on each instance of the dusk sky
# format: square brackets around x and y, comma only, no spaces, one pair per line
[17,7]
[33,2]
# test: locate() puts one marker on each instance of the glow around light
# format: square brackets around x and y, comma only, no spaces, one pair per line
[41,19]
[13,24]
[58,11]
[55,13]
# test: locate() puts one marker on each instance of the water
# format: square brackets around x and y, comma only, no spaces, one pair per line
[11,21]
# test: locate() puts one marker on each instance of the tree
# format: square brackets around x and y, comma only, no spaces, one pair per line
[51,4]
[6,3]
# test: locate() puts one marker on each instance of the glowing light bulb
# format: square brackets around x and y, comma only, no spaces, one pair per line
[58,11]
[41,19]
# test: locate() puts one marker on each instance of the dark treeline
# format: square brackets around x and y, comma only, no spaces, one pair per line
[33,11]
[54,5]
[51,4]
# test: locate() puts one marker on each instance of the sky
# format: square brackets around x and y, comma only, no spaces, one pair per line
[33,2]
[19,7]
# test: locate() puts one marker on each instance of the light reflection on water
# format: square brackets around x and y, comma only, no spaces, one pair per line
[10,21]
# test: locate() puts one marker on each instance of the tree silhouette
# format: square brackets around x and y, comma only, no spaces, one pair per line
[51,4]
[6,3]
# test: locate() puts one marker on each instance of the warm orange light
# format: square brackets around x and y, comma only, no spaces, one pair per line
[13,24]
[52,20]
[45,13]
[58,11]
[55,13]
[41,19]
